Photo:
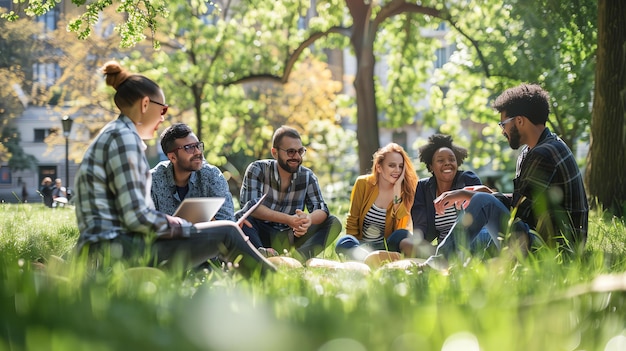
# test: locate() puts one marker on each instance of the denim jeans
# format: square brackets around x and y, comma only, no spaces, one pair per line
[351,247]
[481,225]
[264,234]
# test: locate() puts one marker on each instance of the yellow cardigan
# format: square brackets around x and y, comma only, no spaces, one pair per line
[364,193]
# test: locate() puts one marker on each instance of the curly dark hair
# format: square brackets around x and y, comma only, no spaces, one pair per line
[436,142]
[528,100]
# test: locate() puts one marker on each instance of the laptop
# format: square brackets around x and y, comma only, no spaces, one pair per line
[203,209]
[199,209]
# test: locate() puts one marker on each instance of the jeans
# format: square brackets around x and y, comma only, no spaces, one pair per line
[481,224]
[227,242]
[351,247]
[311,244]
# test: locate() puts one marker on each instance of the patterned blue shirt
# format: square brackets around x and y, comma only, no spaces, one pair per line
[208,181]
[113,187]
[262,177]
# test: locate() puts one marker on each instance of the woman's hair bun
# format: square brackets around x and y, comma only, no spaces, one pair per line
[115,74]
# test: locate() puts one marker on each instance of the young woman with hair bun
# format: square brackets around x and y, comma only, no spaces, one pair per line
[114,208]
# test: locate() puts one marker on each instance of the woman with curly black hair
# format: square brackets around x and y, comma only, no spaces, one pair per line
[442,159]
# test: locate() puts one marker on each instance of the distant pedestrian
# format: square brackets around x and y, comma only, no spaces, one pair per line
[24,193]
[45,190]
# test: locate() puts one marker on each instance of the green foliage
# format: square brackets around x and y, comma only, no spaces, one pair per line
[19,54]
[544,302]
[10,138]
[517,45]
[408,59]
[498,45]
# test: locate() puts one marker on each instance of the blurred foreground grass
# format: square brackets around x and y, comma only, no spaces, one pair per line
[541,303]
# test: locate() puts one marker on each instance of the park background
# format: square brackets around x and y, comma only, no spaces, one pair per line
[350,75]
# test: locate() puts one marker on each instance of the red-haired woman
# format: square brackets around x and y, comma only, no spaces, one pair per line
[380,203]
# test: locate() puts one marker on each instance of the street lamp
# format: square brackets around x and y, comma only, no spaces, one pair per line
[67,128]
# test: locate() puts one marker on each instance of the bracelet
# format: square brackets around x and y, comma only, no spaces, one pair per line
[397,200]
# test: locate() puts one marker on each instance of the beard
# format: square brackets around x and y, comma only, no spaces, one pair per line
[284,165]
[188,166]
[514,138]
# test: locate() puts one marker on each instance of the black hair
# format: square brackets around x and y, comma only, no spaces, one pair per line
[171,133]
[436,142]
[528,100]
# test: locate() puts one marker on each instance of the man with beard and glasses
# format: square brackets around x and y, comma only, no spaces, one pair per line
[548,203]
[187,174]
[280,222]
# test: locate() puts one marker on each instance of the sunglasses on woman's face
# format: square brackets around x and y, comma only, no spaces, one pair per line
[164,109]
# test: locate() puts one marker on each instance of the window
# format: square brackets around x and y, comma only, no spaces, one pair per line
[46,74]
[42,134]
[5,175]
[443,55]
[7,4]
[47,171]
[49,20]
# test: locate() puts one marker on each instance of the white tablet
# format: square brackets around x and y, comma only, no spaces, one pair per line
[199,209]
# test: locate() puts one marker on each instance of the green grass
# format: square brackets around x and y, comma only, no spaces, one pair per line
[541,303]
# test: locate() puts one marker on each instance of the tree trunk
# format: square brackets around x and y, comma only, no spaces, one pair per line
[362,39]
[197,106]
[367,118]
[605,179]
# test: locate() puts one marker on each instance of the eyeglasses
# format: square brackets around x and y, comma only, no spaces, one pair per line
[164,109]
[501,124]
[292,152]
[190,148]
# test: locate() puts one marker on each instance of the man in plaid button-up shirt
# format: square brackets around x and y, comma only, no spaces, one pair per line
[281,221]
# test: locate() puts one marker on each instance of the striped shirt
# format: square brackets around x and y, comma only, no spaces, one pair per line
[113,187]
[262,177]
[374,225]
[443,223]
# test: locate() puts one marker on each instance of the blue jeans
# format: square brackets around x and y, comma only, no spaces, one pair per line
[483,222]
[264,234]
[351,247]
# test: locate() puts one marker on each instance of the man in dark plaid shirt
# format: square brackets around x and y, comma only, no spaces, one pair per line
[549,203]
[281,221]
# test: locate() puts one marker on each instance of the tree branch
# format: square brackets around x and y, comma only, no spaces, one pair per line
[401,6]
[481,57]
[292,59]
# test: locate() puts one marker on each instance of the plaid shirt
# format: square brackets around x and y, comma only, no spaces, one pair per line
[208,181]
[113,187]
[549,191]
[262,178]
